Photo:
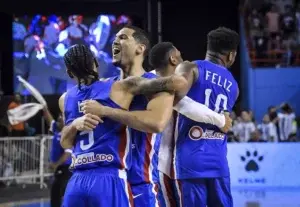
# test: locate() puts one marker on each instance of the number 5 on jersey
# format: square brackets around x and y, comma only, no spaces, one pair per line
[90,141]
[220,97]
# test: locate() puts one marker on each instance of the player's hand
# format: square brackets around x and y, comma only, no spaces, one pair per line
[92,107]
[88,122]
[228,123]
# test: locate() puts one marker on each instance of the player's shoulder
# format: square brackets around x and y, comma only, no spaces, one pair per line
[150,74]
[198,63]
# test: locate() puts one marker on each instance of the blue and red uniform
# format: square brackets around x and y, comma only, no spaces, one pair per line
[100,157]
[143,174]
[200,163]
[56,150]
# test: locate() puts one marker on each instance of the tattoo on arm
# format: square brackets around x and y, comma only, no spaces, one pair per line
[139,85]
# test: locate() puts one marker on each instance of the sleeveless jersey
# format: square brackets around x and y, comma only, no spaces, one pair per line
[56,150]
[145,147]
[107,145]
[201,149]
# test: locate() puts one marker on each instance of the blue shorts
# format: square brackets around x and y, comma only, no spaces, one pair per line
[202,192]
[145,195]
[167,191]
[98,188]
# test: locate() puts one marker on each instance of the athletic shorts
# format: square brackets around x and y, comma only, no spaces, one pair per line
[98,188]
[167,191]
[145,195]
[202,192]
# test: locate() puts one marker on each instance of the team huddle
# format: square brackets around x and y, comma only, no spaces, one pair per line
[144,139]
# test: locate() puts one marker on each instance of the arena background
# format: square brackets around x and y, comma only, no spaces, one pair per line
[263,174]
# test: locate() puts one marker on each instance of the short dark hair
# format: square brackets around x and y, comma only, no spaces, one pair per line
[80,60]
[159,55]
[140,36]
[222,40]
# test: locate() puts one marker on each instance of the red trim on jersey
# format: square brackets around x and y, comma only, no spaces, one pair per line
[181,192]
[175,114]
[169,189]
[156,189]
[147,161]
[122,146]
[130,194]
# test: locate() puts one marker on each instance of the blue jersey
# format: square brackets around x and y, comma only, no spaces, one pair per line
[56,150]
[145,147]
[201,149]
[107,145]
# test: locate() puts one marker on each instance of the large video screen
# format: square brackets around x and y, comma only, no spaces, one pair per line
[40,42]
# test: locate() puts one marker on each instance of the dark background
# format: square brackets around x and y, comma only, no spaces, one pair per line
[185,23]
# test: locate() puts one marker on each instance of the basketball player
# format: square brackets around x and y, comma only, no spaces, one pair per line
[200,162]
[129,49]
[164,57]
[101,153]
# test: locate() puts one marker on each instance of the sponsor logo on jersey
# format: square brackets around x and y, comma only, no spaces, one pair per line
[196,133]
[88,158]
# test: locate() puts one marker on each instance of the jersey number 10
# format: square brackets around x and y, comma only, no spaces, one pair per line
[220,97]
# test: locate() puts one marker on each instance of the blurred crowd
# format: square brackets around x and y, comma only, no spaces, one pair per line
[278,125]
[57,33]
[273,30]
[40,42]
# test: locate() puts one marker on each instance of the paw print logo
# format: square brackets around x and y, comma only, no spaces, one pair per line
[252,160]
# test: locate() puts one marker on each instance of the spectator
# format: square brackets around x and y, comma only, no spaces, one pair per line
[77,31]
[256,137]
[51,32]
[286,122]
[298,22]
[288,23]
[252,118]
[268,130]
[272,19]
[244,128]
[17,130]
[256,27]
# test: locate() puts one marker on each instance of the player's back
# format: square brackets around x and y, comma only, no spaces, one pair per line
[201,148]
[145,146]
[107,145]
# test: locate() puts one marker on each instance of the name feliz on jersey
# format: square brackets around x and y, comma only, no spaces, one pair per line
[216,79]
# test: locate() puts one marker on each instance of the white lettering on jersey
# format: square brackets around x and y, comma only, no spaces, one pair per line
[196,133]
[216,79]
[90,158]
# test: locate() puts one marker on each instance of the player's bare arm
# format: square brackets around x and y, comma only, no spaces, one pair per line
[180,83]
[188,71]
[152,120]
[140,85]
[85,123]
